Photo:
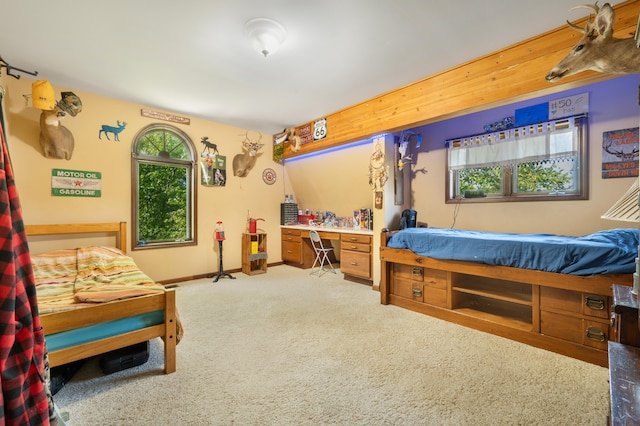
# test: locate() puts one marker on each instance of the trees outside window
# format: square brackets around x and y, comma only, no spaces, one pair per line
[164,189]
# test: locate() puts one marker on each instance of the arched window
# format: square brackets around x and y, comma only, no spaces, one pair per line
[163,188]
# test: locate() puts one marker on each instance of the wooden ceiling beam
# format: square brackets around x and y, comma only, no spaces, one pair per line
[509,75]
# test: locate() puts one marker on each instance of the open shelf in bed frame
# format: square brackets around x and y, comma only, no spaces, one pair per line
[86,316]
[566,314]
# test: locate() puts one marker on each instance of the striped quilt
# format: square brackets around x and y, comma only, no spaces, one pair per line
[72,278]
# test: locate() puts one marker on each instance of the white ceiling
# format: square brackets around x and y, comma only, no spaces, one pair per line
[192,58]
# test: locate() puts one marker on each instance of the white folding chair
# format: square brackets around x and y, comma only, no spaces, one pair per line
[322,257]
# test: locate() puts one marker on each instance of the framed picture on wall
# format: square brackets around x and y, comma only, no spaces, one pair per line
[620,153]
[213,170]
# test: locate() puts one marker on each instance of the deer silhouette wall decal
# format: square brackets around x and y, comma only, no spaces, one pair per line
[111,129]
[598,49]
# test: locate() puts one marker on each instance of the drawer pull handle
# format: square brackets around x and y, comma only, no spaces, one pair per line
[594,333]
[289,251]
[595,302]
[354,264]
[354,247]
[417,292]
[417,271]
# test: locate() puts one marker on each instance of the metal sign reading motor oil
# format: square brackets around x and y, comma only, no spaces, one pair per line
[76,183]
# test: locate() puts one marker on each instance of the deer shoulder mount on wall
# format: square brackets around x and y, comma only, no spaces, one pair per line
[55,139]
[243,163]
[598,50]
[289,135]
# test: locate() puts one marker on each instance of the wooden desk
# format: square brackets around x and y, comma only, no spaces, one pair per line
[355,249]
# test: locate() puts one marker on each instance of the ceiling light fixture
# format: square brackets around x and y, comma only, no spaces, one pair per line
[266,35]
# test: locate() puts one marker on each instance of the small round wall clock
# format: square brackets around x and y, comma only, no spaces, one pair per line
[269,176]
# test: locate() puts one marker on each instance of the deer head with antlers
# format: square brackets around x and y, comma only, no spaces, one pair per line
[243,163]
[598,50]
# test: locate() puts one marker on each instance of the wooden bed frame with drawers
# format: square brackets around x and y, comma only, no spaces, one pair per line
[566,314]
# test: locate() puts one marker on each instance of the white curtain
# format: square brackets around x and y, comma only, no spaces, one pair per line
[539,142]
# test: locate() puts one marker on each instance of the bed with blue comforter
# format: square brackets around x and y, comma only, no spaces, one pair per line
[610,251]
[551,291]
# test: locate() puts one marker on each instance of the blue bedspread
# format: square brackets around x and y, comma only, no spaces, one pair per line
[604,252]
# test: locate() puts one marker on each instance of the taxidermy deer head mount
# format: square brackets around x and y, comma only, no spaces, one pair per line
[289,135]
[55,139]
[598,50]
[243,163]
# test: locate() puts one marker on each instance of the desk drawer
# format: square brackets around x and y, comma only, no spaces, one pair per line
[355,238]
[364,248]
[292,251]
[291,235]
[355,263]
[291,232]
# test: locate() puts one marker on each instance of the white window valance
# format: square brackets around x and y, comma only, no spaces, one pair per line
[550,140]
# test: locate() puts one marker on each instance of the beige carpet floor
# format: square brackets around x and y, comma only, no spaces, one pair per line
[287,348]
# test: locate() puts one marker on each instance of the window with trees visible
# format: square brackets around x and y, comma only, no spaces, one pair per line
[163,188]
[543,161]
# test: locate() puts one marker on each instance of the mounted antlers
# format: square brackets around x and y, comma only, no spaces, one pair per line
[598,50]
[243,163]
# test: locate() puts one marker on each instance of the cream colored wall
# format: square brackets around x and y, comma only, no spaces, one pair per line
[229,204]
[335,180]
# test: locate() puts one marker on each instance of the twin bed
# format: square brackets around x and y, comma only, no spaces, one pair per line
[94,299]
[549,291]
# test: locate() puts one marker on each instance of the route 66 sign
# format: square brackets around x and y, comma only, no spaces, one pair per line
[320,129]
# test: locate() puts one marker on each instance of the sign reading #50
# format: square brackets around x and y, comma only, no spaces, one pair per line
[572,105]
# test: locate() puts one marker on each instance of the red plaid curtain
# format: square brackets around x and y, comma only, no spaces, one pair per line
[24,400]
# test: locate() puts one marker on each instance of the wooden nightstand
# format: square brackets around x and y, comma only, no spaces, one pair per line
[625,316]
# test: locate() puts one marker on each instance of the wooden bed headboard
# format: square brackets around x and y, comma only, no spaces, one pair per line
[119,229]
